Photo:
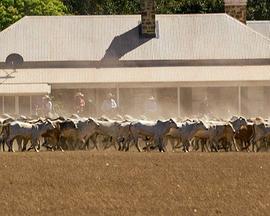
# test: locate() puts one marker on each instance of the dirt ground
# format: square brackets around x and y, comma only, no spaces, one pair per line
[117,183]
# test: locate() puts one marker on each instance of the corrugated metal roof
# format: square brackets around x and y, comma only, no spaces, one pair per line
[139,75]
[24,89]
[85,38]
[262,27]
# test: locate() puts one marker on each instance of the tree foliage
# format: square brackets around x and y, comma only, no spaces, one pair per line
[99,7]
[13,10]
[133,6]
[258,10]
[189,6]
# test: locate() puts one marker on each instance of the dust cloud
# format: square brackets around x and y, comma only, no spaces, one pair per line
[150,103]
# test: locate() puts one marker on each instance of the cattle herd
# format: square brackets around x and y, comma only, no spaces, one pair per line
[80,133]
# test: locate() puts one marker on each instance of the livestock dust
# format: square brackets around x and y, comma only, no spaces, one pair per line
[171,102]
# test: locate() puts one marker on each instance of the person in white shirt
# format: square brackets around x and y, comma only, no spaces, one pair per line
[47,106]
[109,105]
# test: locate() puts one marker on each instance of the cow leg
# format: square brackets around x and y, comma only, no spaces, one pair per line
[234,144]
[106,145]
[161,146]
[120,142]
[38,144]
[106,142]
[35,144]
[87,144]
[19,143]
[136,141]
[60,147]
[10,145]
[45,144]
[57,144]
[240,143]
[158,143]
[253,146]
[126,148]
[3,145]
[172,141]
[72,144]
[62,143]
[93,138]
[124,143]
[227,146]
[82,144]
[164,144]
[31,147]
[179,143]
[127,143]
[115,143]
[195,144]
[198,143]
[95,143]
[258,145]
[205,143]
[25,141]
[203,147]
[247,145]
[213,146]
[185,145]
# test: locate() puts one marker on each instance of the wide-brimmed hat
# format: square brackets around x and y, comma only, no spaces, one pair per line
[79,94]
[46,97]
[110,94]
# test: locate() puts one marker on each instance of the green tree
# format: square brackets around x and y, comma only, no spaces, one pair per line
[133,6]
[94,7]
[258,10]
[189,6]
[13,10]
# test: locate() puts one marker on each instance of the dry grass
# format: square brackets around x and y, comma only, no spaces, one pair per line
[112,183]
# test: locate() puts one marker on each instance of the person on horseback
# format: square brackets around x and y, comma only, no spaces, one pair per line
[47,106]
[79,103]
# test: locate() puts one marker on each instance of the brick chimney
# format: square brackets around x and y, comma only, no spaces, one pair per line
[237,9]
[148,16]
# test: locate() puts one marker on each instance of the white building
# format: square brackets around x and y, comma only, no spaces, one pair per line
[189,58]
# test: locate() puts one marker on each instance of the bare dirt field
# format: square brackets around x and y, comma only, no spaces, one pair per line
[113,183]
